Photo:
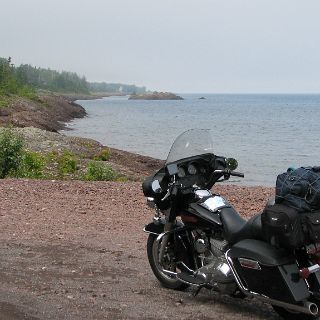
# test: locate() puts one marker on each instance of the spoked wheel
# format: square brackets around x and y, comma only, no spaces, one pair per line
[168,281]
[292,315]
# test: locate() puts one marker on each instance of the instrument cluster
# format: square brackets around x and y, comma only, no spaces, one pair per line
[192,172]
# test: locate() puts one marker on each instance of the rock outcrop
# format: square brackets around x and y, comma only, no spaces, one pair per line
[155,96]
[48,112]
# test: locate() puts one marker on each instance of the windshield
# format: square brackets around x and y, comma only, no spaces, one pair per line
[190,143]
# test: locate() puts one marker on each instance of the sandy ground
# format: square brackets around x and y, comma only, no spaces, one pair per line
[76,250]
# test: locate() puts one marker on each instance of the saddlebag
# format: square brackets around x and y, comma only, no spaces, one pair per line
[311,226]
[299,188]
[266,270]
[281,226]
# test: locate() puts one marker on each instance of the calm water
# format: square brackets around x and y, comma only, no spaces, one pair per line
[265,133]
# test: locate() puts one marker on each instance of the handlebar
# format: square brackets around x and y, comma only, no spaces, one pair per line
[237,174]
[174,188]
[231,173]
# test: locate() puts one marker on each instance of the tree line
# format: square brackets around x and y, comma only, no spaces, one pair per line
[8,80]
[25,79]
[51,80]
[115,87]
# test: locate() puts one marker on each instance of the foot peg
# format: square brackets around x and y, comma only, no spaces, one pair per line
[196,279]
[192,277]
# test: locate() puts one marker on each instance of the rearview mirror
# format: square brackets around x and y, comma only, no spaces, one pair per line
[231,164]
[172,169]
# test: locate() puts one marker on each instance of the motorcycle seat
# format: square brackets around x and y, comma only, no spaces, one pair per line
[236,228]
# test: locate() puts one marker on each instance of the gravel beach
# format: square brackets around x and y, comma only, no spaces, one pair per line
[76,250]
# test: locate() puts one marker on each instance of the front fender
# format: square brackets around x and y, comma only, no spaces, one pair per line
[158,227]
[182,246]
[155,228]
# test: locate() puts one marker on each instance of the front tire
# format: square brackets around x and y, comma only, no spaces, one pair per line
[166,280]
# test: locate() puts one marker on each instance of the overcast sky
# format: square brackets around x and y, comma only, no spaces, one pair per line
[182,46]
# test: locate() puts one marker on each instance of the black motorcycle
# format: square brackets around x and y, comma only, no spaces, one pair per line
[197,238]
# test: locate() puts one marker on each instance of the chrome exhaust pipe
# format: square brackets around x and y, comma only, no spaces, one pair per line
[307,307]
[312,307]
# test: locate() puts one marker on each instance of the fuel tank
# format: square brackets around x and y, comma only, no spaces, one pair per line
[208,206]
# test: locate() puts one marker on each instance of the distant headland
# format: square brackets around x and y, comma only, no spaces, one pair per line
[155,96]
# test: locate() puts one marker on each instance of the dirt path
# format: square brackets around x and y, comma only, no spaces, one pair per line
[76,250]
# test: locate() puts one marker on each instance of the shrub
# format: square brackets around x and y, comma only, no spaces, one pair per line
[99,172]
[27,92]
[103,155]
[122,179]
[4,101]
[11,151]
[31,165]
[67,163]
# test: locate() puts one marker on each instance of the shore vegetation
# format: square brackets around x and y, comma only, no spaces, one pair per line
[36,103]
[11,152]
[17,161]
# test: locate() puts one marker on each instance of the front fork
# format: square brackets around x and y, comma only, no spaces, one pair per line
[165,239]
[170,222]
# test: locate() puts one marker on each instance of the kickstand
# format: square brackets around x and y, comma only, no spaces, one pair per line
[195,293]
[206,285]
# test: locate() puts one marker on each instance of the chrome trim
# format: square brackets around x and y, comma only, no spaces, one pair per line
[160,236]
[202,193]
[183,265]
[144,229]
[236,276]
[249,263]
[156,219]
[307,307]
[224,269]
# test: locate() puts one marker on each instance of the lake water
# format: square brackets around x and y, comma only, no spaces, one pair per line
[265,133]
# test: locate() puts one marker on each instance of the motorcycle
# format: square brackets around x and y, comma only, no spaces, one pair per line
[198,239]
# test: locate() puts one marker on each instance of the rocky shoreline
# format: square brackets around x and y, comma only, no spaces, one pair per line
[48,112]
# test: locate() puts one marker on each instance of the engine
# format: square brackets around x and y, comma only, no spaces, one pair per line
[213,265]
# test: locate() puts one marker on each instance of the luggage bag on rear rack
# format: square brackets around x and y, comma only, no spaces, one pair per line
[299,189]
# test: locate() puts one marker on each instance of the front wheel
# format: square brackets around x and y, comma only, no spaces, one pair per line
[166,280]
